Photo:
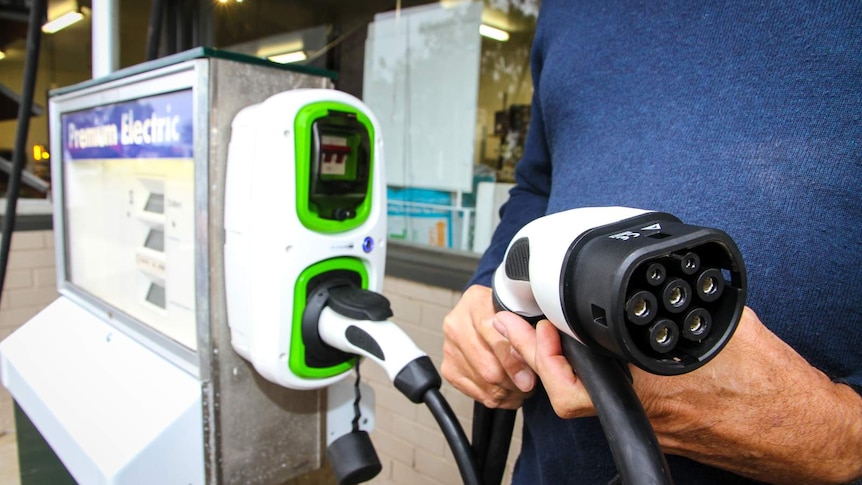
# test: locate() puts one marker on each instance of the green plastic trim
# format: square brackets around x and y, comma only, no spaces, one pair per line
[296,361]
[305,118]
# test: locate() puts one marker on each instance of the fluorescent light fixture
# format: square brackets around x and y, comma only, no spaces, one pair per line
[62,22]
[493,33]
[288,57]
[2,55]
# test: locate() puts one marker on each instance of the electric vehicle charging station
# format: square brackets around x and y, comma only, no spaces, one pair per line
[303,295]
[130,375]
[328,199]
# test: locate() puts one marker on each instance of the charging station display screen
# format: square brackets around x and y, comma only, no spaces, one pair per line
[341,165]
[128,184]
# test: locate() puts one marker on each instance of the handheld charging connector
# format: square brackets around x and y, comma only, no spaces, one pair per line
[623,286]
[640,286]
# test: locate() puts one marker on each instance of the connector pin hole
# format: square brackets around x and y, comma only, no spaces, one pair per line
[656,274]
[663,336]
[675,295]
[641,307]
[689,263]
[710,285]
[697,324]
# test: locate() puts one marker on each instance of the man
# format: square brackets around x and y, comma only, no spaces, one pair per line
[744,116]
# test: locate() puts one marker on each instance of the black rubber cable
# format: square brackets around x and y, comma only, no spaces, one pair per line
[498,450]
[483,419]
[492,435]
[31,65]
[633,443]
[492,428]
[454,434]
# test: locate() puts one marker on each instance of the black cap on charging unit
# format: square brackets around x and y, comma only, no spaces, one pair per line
[353,458]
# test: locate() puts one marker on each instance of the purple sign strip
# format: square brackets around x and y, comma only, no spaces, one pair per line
[158,126]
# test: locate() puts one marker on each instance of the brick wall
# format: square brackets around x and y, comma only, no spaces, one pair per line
[30,286]
[410,446]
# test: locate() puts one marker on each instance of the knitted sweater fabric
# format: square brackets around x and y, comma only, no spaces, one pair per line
[743,116]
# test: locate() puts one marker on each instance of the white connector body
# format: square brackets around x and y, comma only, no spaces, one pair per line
[383,342]
[550,238]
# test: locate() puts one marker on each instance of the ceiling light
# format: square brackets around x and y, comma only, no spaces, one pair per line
[493,33]
[288,57]
[62,22]
[2,55]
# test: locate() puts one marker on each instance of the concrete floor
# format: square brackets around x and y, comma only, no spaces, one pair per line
[9,459]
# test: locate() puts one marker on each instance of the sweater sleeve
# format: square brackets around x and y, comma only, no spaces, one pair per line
[528,199]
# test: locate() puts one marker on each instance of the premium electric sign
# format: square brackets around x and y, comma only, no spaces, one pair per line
[154,127]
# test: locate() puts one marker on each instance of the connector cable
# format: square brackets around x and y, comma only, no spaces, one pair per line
[454,434]
[633,443]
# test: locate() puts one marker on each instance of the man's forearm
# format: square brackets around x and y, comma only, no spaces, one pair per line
[777,420]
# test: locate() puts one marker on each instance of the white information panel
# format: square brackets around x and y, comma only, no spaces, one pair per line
[129,187]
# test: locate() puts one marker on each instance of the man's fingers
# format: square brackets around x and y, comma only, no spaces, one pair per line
[458,371]
[517,349]
[542,351]
[471,365]
[477,360]
[566,392]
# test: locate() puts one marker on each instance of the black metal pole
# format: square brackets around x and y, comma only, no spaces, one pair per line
[25,107]
[154,31]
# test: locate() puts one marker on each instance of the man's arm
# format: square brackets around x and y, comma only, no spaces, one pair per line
[758,409]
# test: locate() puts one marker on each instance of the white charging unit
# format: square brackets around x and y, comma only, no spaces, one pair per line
[304,207]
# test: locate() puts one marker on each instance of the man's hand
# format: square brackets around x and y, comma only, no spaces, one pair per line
[758,409]
[477,360]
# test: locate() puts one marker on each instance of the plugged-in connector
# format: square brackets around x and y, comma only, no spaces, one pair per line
[626,285]
[379,340]
[353,321]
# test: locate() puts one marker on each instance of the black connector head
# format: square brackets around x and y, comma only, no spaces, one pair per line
[664,295]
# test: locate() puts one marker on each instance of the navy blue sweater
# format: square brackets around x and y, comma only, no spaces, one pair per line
[740,115]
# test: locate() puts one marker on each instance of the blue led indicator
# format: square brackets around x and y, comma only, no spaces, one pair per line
[368,245]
